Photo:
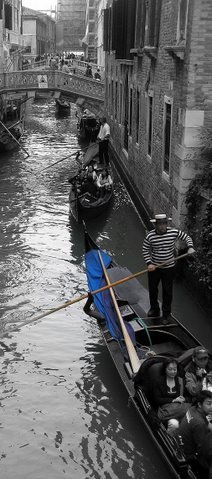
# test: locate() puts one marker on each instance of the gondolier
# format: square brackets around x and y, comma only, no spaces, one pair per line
[103,138]
[158,247]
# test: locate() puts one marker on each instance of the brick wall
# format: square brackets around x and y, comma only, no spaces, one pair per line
[185,79]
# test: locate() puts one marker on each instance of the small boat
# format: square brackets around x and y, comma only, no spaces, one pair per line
[88,204]
[152,341]
[62,106]
[12,123]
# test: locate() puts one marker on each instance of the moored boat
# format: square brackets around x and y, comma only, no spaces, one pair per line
[63,106]
[12,123]
[88,203]
[152,341]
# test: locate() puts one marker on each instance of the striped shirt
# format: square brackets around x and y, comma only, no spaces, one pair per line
[160,248]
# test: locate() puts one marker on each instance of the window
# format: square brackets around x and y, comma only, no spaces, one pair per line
[137,115]
[116,100]
[130,112]
[182,20]
[112,105]
[167,134]
[149,124]
[152,28]
[120,102]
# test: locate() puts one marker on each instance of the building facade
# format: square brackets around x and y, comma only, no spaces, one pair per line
[39,32]
[70,28]
[159,95]
[10,34]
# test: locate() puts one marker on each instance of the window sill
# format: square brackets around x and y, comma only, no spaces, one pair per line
[166,177]
[125,152]
[176,51]
[125,61]
[151,52]
[137,51]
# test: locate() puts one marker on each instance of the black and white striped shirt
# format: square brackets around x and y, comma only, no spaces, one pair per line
[160,248]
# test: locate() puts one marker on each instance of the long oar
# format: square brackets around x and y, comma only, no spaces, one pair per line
[65,158]
[134,360]
[85,296]
[59,161]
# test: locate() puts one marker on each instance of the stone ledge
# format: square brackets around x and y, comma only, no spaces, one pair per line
[176,51]
[151,52]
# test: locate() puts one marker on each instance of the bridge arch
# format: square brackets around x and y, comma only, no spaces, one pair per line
[70,85]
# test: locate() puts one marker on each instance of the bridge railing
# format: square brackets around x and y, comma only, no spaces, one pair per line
[52,80]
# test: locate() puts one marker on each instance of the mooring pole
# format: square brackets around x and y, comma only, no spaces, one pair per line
[14,138]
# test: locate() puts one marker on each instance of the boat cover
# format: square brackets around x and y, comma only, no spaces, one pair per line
[102,300]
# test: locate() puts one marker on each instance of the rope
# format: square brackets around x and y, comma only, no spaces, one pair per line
[143,324]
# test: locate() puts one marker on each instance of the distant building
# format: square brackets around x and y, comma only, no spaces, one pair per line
[100,6]
[39,32]
[70,25]
[159,95]
[89,40]
[10,34]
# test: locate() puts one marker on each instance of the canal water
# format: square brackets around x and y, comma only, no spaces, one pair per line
[64,412]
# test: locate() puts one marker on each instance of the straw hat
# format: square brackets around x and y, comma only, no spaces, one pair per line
[161,217]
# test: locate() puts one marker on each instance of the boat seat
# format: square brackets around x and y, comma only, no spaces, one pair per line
[167,348]
[185,358]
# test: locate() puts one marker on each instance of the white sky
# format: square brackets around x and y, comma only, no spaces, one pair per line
[40,4]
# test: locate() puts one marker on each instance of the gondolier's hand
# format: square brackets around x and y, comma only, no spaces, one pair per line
[151,267]
[191,251]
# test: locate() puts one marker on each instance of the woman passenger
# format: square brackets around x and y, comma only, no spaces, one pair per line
[168,392]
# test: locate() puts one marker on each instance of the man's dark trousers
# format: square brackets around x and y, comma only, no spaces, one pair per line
[166,276]
[103,151]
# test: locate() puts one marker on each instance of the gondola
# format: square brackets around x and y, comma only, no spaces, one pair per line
[152,341]
[62,106]
[88,128]
[88,206]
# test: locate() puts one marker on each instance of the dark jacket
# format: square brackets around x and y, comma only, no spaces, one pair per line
[161,393]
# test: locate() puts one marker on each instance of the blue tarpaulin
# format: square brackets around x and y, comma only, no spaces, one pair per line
[102,300]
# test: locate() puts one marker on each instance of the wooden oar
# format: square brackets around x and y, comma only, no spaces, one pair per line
[59,161]
[134,360]
[85,296]
[65,158]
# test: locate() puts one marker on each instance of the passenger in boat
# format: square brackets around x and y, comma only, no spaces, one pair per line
[207,382]
[195,433]
[103,139]
[88,184]
[158,247]
[104,181]
[196,372]
[168,392]
[91,173]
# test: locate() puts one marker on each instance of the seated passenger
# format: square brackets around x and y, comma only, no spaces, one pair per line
[90,173]
[168,392]
[104,180]
[88,186]
[197,371]
[194,430]
[207,382]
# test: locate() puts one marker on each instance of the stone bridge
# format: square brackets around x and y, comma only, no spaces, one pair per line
[84,90]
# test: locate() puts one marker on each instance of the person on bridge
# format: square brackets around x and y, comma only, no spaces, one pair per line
[97,75]
[103,139]
[158,247]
